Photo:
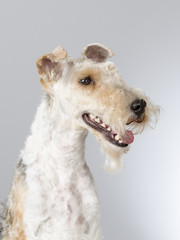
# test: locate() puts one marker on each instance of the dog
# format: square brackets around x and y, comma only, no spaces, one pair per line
[53,193]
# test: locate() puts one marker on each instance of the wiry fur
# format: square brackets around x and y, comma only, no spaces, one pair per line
[53,194]
[2,217]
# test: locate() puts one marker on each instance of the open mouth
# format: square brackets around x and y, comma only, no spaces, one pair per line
[107,131]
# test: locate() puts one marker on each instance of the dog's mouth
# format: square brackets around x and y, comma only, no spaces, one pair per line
[114,138]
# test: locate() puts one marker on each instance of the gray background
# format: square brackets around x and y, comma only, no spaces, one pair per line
[143,201]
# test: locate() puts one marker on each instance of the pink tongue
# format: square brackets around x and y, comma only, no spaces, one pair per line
[128,137]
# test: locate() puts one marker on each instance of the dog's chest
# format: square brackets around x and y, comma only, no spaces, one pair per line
[61,202]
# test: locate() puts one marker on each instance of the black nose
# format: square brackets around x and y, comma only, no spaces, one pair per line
[138,106]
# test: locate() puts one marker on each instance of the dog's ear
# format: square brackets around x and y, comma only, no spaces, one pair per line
[50,67]
[97,52]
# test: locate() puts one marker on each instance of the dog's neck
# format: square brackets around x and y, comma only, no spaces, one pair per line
[56,134]
[61,191]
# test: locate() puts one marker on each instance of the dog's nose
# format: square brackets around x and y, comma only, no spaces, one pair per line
[138,106]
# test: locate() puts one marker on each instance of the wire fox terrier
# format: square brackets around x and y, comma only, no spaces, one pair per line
[53,194]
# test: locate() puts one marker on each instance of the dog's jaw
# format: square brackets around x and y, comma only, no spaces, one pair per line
[106,130]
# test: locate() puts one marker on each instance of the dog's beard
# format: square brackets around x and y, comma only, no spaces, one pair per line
[118,124]
[113,153]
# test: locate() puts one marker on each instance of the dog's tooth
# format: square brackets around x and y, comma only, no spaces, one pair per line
[92,116]
[120,141]
[97,120]
[103,125]
[117,137]
[109,129]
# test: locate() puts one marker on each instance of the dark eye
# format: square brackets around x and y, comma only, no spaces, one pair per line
[86,81]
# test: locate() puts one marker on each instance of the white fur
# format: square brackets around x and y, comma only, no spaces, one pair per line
[62,200]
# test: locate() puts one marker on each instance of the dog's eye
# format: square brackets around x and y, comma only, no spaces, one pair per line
[86,81]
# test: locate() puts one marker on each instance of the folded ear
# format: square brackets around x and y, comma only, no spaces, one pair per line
[97,52]
[50,67]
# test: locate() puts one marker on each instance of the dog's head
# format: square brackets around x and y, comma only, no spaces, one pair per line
[91,95]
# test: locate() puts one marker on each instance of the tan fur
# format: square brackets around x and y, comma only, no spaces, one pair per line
[50,69]
[14,221]
[110,98]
